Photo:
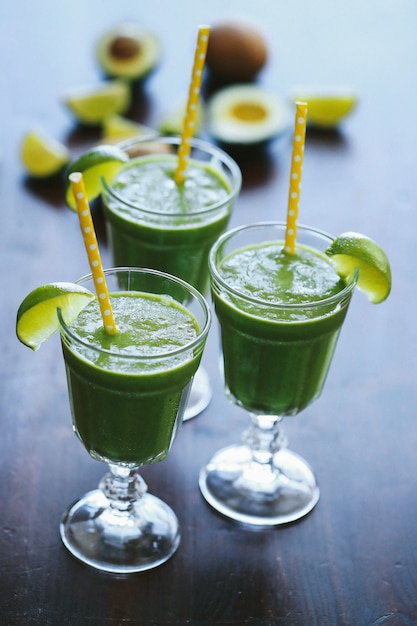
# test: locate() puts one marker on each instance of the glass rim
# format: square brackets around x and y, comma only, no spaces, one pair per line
[214,151]
[203,332]
[217,277]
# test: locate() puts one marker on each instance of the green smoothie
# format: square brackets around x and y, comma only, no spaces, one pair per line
[279,325]
[155,222]
[126,390]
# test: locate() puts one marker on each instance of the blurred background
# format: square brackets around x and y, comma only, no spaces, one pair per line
[320,43]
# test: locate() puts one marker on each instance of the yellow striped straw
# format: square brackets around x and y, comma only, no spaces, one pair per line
[191,111]
[295,176]
[93,253]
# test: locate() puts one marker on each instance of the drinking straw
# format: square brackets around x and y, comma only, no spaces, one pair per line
[191,110]
[295,176]
[93,253]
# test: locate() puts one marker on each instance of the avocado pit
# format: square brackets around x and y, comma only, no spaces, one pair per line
[123,48]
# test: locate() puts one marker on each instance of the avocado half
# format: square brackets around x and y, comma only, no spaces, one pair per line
[128,51]
[247,115]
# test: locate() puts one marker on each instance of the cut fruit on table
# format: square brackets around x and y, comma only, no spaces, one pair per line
[353,251]
[326,107]
[128,51]
[37,316]
[42,155]
[237,51]
[93,104]
[99,162]
[172,122]
[117,127]
[247,115]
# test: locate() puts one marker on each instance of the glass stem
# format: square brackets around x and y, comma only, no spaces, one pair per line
[264,438]
[122,487]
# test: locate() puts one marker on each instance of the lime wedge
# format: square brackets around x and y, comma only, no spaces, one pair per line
[37,316]
[326,108]
[99,162]
[352,251]
[92,105]
[42,155]
[172,121]
[119,128]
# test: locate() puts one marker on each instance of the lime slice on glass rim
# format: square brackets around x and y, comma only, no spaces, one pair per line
[99,162]
[37,316]
[93,104]
[351,251]
[42,155]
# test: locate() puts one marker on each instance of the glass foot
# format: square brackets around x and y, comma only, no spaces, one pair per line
[256,493]
[103,538]
[200,394]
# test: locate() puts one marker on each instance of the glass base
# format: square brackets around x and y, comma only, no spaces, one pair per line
[101,537]
[253,493]
[200,394]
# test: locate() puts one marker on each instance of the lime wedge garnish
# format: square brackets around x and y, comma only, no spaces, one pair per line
[326,107]
[95,164]
[351,251]
[42,155]
[92,105]
[37,316]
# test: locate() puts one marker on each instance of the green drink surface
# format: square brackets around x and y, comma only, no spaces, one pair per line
[150,183]
[146,326]
[154,222]
[127,390]
[272,275]
[278,340]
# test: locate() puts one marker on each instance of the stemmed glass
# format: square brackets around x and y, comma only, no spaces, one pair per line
[127,405]
[159,224]
[276,358]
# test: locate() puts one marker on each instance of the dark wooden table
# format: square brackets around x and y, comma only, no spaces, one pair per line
[353,560]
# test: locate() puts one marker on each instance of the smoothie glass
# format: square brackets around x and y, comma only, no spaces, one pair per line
[276,358]
[127,406]
[153,222]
